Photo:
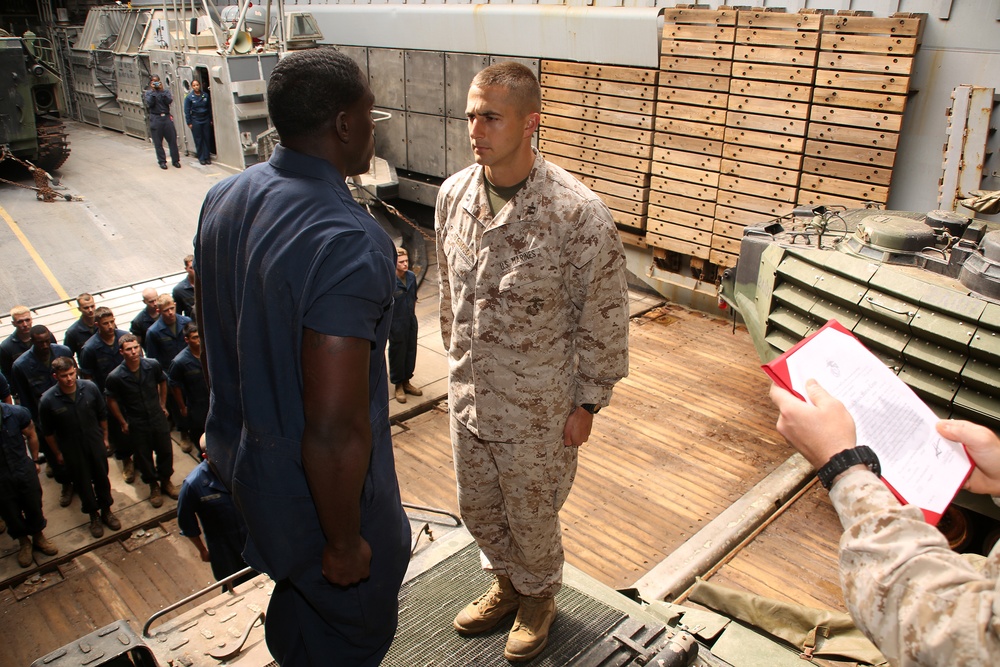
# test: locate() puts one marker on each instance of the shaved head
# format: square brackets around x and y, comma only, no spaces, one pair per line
[517,80]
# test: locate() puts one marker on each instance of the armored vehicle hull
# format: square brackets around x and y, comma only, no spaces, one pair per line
[922,291]
[30,116]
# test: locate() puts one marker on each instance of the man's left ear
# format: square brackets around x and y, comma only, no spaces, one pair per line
[342,127]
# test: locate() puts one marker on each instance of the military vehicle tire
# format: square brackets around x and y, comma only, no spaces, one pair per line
[53,144]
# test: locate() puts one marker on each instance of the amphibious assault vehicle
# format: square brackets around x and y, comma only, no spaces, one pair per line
[30,105]
[921,290]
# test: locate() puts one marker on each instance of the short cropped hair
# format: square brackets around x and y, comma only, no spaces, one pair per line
[308,88]
[39,330]
[103,312]
[19,310]
[127,338]
[84,297]
[401,252]
[517,80]
[190,328]
[61,364]
[164,300]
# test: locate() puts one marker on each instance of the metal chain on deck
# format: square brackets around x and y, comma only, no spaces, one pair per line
[392,209]
[43,190]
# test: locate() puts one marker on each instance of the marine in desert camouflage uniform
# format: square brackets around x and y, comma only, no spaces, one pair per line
[534,315]
[918,601]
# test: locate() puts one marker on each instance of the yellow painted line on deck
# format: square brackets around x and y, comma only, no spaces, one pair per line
[42,266]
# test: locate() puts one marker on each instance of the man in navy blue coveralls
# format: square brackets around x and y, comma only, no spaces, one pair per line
[161,124]
[198,116]
[403,331]
[298,279]
[206,499]
[186,381]
[31,376]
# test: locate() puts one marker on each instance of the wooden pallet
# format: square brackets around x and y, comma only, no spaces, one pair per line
[692,102]
[597,123]
[770,103]
[750,112]
[864,67]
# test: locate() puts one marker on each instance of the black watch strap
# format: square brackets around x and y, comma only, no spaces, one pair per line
[849,457]
[592,408]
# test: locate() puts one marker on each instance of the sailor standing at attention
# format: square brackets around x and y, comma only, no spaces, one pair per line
[198,116]
[534,316]
[293,294]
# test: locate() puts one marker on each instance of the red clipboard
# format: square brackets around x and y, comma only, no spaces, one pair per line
[777,370]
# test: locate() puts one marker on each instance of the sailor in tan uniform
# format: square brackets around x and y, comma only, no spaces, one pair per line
[534,315]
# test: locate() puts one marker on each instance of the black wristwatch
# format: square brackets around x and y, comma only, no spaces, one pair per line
[849,457]
[591,408]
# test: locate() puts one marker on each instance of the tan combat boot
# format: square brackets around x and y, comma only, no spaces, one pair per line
[410,389]
[400,393]
[496,604]
[155,498]
[24,552]
[530,633]
[43,545]
[168,488]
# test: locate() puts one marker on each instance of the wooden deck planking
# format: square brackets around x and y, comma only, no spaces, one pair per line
[688,432]
[794,559]
[97,588]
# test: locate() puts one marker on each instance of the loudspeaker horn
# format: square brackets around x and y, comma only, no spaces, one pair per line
[243,42]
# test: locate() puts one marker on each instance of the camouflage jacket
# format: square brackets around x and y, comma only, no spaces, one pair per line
[918,601]
[534,303]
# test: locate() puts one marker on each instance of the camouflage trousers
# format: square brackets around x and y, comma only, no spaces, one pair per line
[510,496]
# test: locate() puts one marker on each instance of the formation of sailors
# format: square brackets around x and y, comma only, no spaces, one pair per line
[104,392]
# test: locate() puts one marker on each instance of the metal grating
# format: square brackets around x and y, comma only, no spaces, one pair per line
[428,604]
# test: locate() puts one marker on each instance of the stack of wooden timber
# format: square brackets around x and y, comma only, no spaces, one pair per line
[774,64]
[696,59]
[597,122]
[756,111]
[857,111]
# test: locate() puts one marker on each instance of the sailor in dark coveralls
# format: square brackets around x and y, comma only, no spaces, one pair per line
[20,491]
[31,376]
[294,294]
[205,499]
[186,381]
[198,116]
[403,332]
[161,123]
[136,393]
[80,331]
[74,422]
